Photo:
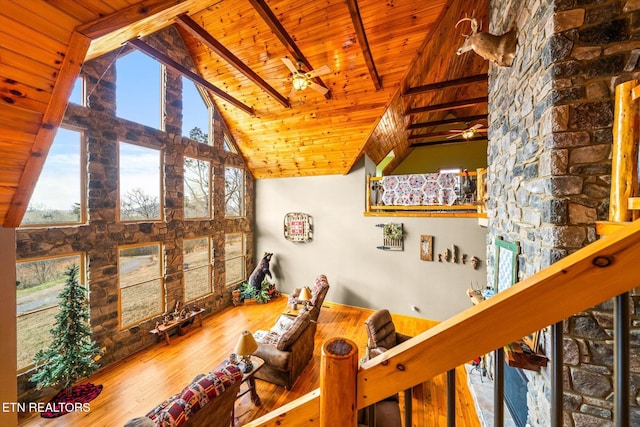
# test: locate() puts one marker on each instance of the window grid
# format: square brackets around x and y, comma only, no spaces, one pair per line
[141,283]
[39,282]
[198,267]
[235,258]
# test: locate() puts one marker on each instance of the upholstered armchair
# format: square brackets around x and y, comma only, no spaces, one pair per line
[382,333]
[318,293]
[382,336]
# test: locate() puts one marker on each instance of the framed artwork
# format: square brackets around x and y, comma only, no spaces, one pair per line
[298,227]
[426,247]
[506,268]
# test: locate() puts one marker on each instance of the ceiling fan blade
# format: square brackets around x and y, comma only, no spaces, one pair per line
[319,72]
[318,88]
[476,126]
[455,135]
[289,65]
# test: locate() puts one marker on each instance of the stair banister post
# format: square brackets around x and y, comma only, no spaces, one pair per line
[624,165]
[338,372]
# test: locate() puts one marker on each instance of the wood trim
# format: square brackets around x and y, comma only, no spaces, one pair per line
[272,21]
[303,411]
[126,16]
[445,84]
[356,19]
[51,119]
[604,228]
[447,141]
[463,103]
[453,121]
[164,59]
[192,27]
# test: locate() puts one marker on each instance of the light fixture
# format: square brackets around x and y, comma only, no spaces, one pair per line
[299,82]
[305,296]
[245,347]
[468,133]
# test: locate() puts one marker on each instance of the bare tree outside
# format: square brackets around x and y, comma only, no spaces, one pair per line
[136,204]
[197,188]
[233,191]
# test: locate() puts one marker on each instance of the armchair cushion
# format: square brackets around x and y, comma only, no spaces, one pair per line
[293,332]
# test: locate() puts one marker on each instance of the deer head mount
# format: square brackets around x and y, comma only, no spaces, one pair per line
[498,49]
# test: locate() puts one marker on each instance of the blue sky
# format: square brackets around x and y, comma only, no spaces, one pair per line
[138,100]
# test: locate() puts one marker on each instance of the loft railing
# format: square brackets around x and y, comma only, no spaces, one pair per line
[605,269]
[467,204]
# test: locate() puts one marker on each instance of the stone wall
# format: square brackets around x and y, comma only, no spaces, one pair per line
[100,237]
[549,167]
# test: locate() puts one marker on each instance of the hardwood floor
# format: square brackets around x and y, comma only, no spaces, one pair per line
[135,385]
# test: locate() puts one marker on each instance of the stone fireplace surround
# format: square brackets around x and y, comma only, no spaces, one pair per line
[549,167]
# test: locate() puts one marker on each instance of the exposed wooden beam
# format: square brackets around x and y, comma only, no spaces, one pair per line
[192,27]
[69,71]
[354,11]
[442,85]
[449,105]
[272,21]
[164,59]
[126,16]
[452,121]
[447,141]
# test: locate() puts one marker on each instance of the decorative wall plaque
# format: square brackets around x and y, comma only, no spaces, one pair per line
[298,227]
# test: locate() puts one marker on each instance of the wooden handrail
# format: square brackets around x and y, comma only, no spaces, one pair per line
[600,271]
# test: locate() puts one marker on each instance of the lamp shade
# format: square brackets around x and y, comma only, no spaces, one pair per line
[246,344]
[305,294]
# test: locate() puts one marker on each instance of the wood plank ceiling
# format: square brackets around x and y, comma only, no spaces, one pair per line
[376,51]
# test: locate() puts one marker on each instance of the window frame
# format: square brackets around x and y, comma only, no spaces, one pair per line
[161,278]
[82,279]
[242,209]
[210,189]
[160,185]
[208,265]
[82,167]
[242,256]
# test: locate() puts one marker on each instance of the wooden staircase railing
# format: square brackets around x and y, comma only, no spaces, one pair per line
[596,273]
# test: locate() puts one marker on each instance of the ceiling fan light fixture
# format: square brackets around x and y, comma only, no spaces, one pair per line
[468,133]
[299,82]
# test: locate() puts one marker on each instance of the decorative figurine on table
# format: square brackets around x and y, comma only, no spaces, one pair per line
[233,359]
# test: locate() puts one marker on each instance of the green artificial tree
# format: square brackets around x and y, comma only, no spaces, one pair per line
[72,353]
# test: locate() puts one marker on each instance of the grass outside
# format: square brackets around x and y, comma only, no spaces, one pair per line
[33,334]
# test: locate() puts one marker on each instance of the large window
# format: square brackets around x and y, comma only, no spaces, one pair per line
[58,195]
[140,182]
[197,188]
[198,267]
[234,191]
[195,111]
[38,284]
[141,283]
[138,89]
[234,258]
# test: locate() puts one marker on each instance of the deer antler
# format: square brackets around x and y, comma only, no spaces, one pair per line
[474,24]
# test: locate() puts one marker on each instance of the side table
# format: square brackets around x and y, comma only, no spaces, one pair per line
[249,379]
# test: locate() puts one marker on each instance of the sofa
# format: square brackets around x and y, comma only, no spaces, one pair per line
[318,293]
[207,401]
[286,349]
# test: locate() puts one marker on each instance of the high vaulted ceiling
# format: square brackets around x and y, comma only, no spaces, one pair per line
[385,59]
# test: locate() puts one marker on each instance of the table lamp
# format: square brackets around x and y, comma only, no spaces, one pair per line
[305,296]
[245,346]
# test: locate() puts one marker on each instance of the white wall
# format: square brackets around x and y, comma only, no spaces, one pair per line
[344,248]
[8,345]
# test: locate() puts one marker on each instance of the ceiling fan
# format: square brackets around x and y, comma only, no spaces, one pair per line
[301,79]
[468,132]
